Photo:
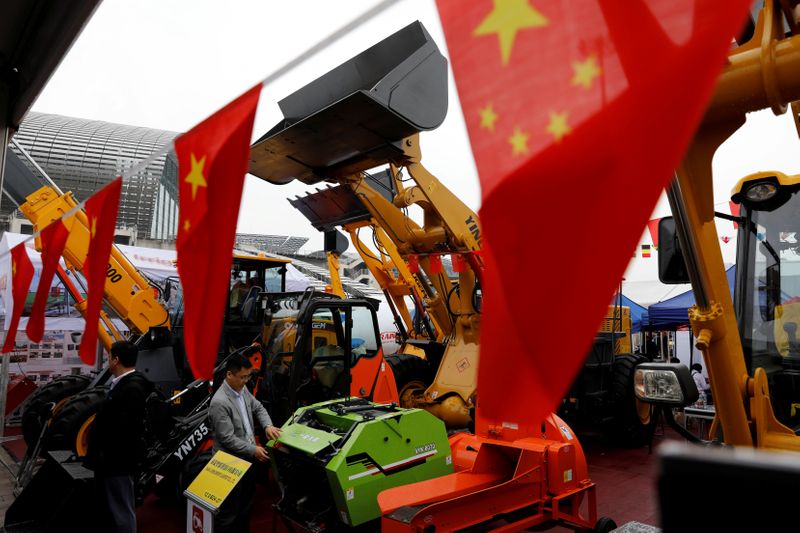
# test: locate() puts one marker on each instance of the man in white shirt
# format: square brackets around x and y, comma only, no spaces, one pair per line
[232,412]
[699,379]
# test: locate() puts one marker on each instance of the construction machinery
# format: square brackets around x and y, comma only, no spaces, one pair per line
[152,313]
[353,450]
[749,343]
[602,395]
[601,398]
[368,113]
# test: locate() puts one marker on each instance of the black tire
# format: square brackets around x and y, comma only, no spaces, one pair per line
[604,525]
[627,428]
[68,420]
[57,390]
[408,369]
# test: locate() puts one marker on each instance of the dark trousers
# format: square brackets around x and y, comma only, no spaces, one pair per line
[116,503]
[234,513]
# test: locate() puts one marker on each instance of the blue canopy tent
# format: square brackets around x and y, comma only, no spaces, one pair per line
[674,312]
[638,313]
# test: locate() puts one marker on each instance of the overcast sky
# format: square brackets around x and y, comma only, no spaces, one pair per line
[167,64]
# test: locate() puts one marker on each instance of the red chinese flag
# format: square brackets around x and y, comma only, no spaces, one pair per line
[212,163]
[21,276]
[459,265]
[571,107]
[735,212]
[101,215]
[435,262]
[652,225]
[413,263]
[53,239]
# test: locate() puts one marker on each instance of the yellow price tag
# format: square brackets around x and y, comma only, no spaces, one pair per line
[217,479]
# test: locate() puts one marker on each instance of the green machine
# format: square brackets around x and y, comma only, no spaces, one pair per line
[333,459]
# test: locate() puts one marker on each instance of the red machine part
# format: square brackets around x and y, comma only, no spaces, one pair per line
[19,389]
[528,481]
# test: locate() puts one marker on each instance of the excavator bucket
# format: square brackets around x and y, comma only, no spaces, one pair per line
[354,117]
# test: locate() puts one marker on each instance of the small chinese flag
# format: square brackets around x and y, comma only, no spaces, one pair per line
[212,162]
[435,262]
[53,238]
[101,215]
[652,225]
[735,212]
[555,95]
[21,276]
[459,265]
[413,263]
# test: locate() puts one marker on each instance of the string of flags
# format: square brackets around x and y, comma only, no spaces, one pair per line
[646,250]
[212,163]
[460,262]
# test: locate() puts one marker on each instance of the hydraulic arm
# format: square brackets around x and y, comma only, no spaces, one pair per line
[764,72]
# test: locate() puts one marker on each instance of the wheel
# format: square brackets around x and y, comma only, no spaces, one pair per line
[633,423]
[57,391]
[412,375]
[604,525]
[70,427]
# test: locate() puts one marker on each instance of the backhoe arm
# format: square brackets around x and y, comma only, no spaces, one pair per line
[126,290]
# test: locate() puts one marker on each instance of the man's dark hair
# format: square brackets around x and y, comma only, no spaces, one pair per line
[698,367]
[236,362]
[126,352]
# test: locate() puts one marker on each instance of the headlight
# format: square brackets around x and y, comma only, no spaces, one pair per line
[664,383]
[761,192]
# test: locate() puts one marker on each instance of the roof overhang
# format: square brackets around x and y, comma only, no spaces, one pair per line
[35,35]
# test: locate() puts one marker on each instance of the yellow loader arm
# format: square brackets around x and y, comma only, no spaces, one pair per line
[126,291]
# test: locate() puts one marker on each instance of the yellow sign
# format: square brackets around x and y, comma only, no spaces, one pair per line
[217,479]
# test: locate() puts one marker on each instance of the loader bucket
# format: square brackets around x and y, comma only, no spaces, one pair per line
[354,117]
[58,498]
[336,206]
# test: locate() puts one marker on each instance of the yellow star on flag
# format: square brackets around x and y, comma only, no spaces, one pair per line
[558,126]
[506,19]
[488,117]
[13,268]
[195,177]
[186,225]
[94,227]
[519,142]
[585,72]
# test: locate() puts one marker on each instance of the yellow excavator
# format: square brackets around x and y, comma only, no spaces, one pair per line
[432,341]
[151,312]
[749,343]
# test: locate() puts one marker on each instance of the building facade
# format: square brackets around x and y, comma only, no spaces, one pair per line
[84,155]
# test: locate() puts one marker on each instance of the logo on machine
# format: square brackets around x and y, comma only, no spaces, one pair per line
[472,224]
[191,442]
[307,437]
[431,446]
[371,467]
[197,519]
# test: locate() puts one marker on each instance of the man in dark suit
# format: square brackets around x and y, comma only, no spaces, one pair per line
[116,441]
[232,412]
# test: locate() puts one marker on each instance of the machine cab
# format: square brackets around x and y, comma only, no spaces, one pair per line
[318,347]
[767,294]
